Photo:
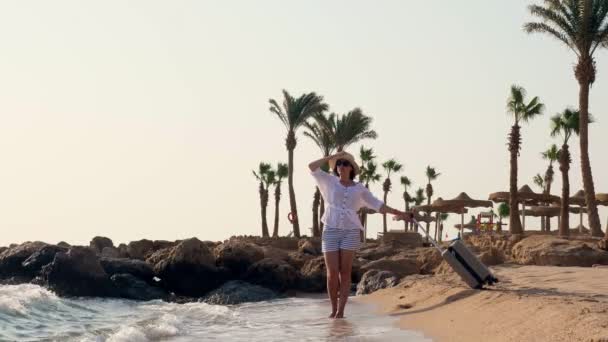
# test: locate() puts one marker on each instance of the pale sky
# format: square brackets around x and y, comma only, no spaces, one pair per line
[144,119]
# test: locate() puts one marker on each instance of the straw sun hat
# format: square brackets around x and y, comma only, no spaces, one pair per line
[345,156]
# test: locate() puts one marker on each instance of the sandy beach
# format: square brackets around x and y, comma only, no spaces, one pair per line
[531,303]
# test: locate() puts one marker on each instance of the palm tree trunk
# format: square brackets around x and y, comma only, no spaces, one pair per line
[291,145]
[592,214]
[277,199]
[264,208]
[263,205]
[564,166]
[315,212]
[405,223]
[548,218]
[514,143]
[384,214]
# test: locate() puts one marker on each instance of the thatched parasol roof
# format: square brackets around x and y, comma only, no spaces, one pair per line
[421,218]
[463,200]
[578,198]
[538,211]
[524,194]
[439,206]
[499,197]
[602,199]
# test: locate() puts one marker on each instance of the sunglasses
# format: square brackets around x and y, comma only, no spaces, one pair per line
[342,162]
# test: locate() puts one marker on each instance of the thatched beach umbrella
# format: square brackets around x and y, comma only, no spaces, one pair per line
[463,200]
[602,199]
[440,206]
[525,196]
[551,211]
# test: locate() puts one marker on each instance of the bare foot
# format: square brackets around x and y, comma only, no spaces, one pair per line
[333,315]
[339,315]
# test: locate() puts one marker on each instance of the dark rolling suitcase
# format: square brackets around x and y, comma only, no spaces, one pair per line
[466,264]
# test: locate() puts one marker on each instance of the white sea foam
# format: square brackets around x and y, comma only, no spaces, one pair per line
[128,334]
[15,299]
[167,326]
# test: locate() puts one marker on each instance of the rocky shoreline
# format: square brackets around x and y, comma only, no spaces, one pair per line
[244,269]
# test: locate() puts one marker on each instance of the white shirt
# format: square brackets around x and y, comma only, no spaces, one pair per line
[343,202]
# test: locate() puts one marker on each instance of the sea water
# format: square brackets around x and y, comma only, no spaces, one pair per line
[31,313]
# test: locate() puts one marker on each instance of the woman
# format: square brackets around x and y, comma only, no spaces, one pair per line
[341,235]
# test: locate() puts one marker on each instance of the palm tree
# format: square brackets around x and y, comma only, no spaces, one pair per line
[565,124]
[582,26]
[522,112]
[293,114]
[281,173]
[540,182]
[366,155]
[320,132]
[351,128]
[418,199]
[389,166]
[406,182]
[370,175]
[431,175]
[551,155]
[503,211]
[264,175]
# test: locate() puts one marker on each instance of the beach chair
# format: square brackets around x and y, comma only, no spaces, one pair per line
[466,264]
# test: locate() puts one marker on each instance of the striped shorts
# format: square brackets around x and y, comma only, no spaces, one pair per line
[336,239]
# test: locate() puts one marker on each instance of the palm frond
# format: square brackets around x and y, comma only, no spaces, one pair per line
[405,181]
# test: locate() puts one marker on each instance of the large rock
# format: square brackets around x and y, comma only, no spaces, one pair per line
[374,280]
[298,259]
[110,252]
[237,292]
[140,249]
[78,272]
[492,256]
[313,275]
[122,250]
[400,267]
[157,256]
[137,268]
[131,287]
[275,253]
[189,269]
[237,256]
[162,244]
[99,243]
[34,263]
[274,274]
[428,259]
[310,246]
[64,244]
[11,259]
[551,250]
[378,252]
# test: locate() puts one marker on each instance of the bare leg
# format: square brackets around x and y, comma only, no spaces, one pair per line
[332,265]
[346,265]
